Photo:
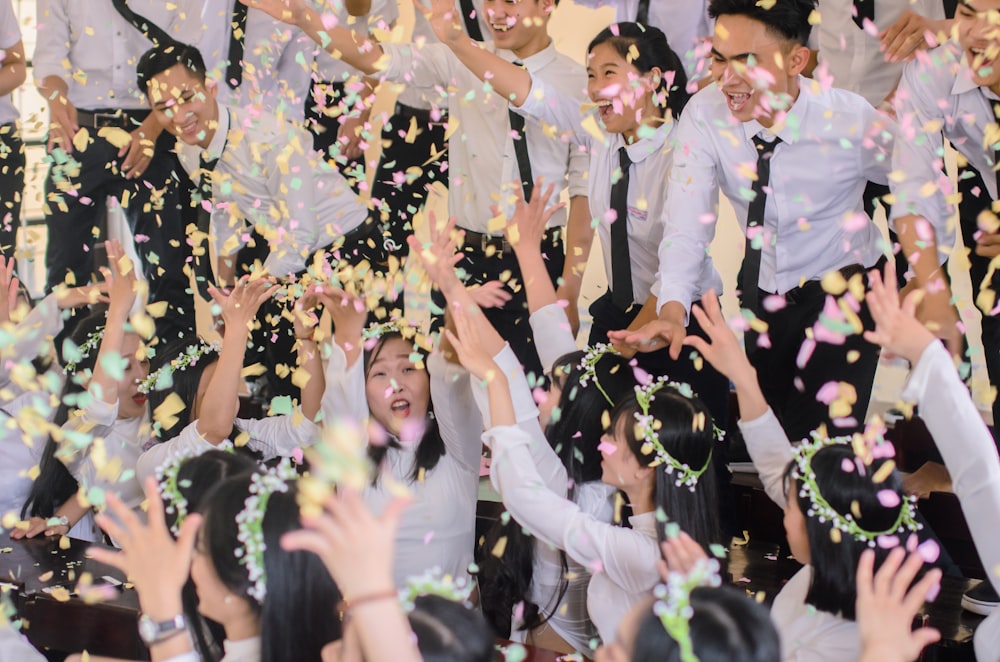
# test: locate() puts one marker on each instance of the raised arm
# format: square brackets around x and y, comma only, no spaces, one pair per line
[121,275]
[308,375]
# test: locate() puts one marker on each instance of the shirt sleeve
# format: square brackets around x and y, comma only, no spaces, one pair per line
[924,187]
[51,57]
[344,396]
[427,66]
[691,213]
[31,338]
[279,436]
[627,557]
[93,421]
[770,451]
[188,443]
[458,418]
[578,173]
[966,445]
[10,31]
[187,25]
[877,147]
[547,107]
[290,185]
[553,334]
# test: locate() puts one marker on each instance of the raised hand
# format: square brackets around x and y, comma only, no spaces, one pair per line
[723,349]
[897,328]
[467,344]
[526,228]
[886,605]
[438,257]
[492,294]
[444,18]
[240,305]
[667,331]
[157,564]
[121,278]
[8,289]
[680,554]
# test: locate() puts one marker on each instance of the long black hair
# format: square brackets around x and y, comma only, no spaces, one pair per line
[55,484]
[832,587]
[687,433]
[431,448]
[574,433]
[448,631]
[197,477]
[726,626]
[185,386]
[645,48]
[298,614]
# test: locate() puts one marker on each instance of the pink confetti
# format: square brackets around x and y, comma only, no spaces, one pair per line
[828,392]
[805,353]
[887,542]
[297,455]
[888,498]
[428,537]
[606,448]
[847,466]
[930,550]
[774,302]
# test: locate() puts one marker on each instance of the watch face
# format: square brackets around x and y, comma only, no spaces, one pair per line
[147,628]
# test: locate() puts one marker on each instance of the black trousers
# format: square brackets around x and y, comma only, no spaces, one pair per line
[407,169]
[75,192]
[11,186]
[875,195]
[795,370]
[511,321]
[273,342]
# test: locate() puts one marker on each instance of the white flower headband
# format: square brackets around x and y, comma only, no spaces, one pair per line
[588,366]
[432,583]
[250,524]
[673,603]
[163,378]
[647,429]
[83,351]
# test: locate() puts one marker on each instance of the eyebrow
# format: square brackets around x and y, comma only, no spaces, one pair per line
[602,65]
[740,56]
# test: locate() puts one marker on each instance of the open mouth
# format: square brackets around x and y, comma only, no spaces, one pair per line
[400,408]
[139,398]
[604,108]
[737,100]
[506,26]
[982,58]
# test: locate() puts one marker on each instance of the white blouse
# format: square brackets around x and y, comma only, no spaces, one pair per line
[437,531]
[244,650]
[806,633]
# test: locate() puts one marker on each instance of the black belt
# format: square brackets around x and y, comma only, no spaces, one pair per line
[422,114]
[812,287]
[489,244]
[111,117]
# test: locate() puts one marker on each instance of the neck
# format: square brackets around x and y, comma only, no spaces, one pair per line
[213,126]
[533,47]
[650,116]
[767,121]
[640,498]
[995,89]
[242,627]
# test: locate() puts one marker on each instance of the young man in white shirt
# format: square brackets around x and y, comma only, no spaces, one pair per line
[766,135]
[84,68]
[484,168]
[13,73]
[275,203]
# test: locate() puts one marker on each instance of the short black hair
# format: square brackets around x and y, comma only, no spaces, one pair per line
[786,18]
[161,57]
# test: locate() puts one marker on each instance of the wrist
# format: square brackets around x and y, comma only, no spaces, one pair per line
[159,606]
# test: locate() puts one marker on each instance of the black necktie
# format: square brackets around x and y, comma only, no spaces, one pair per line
[203,276]
[471,21]
[750,272]
[521,151]
[996,152]
[642,15]
[621,264]
[150,30]
[234,70]
[863,9]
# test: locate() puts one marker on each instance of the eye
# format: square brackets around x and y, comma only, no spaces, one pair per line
[378,373]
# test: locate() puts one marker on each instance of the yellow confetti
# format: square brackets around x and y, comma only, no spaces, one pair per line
[500,547]
[117,137]
[81,140]
[835,535]
[884,471]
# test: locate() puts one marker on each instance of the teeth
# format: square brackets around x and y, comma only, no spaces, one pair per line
[504,27]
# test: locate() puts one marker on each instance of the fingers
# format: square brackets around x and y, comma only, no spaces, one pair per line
[863,574]
[154,511]
[676,344]
[188,535]
[111,557]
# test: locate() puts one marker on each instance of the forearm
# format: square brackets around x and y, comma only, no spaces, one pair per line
[749,395]
[14,72]
[314,382]
[226,272]
[537,284]
[508,80]
[579,239]
[384,631]
[103,385]
[72,510]
[646,314]
[52,88]
[358,7]
[355,49]
[918,240]
[215,417]
[150,129]
[501,405]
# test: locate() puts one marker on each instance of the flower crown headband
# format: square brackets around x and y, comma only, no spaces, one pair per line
[170,488]
[648,428]
[250,524]
[163,378]
[84,350]
[673,603]
[588,366]
[843,523]
[431,583]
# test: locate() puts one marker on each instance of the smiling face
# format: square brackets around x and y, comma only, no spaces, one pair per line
[519,25]
[978,23]
[755,68]
[624,95]
[184,105]
[619,466]
[398,392]
[131,403]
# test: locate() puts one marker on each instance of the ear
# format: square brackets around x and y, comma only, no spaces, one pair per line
[655,77]
[798,60]
[547,6]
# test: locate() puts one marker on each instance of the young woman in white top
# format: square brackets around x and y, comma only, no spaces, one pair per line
[194,390]
[657,452]
[103,417]
[380,378]
[840,499]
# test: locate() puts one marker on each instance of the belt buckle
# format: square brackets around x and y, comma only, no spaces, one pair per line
[102,120]
[501,246]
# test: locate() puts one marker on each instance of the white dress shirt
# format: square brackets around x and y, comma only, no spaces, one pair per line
[268,178]
[383,14]
[482,164]
[834,142]
[971,457]
[806,633]
[437,530]
[938,99]
[95,50]
[244,650]
[853,56]
[10,34]
[651,156]
[277,60]
[685,23]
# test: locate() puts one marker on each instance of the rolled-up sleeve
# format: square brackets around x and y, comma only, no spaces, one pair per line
[51,56]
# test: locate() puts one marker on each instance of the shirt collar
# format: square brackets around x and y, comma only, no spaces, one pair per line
[789,129]
[964,83]
[533,62]
[218,144]
[650,144]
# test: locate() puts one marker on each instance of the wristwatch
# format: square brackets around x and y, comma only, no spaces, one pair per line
[153,632]
[64,521]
